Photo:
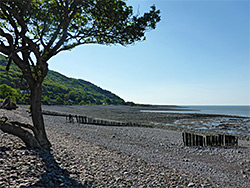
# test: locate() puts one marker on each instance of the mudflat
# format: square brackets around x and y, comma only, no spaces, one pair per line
[194,122]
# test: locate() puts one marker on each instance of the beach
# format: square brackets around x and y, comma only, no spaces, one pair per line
[114,156]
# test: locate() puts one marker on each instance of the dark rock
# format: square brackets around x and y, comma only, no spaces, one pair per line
[51,184]
[8,104]
[3,148]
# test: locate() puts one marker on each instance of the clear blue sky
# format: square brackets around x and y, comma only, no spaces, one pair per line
[199,54]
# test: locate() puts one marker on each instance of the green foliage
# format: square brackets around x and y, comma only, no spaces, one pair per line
[62,25]
[33,31]
[29,108]
[41,29]
[7,91]
[12,78]
[57,89]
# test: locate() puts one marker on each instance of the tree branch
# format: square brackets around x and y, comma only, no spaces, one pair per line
[5,50]
[27,126]
[11,20]
[15,129]
[7,36]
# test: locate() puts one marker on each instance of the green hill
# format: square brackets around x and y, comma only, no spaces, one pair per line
[58,89]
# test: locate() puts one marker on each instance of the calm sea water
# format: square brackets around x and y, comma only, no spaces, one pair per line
[224,110]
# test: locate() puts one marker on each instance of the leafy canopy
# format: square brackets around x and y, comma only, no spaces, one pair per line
[33,31]
[47,27]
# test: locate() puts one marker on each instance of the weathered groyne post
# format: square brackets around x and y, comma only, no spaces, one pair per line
[231,141]
[192,139]
[81,119]
[70,118]
[209,140]
[95,121]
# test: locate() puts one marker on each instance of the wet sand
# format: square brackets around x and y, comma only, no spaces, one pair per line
[194,122]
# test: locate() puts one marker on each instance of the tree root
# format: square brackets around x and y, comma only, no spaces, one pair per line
[17,129]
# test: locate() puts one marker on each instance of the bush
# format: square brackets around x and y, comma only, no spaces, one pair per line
[7,91]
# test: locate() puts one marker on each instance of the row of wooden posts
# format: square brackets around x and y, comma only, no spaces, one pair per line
[190,139]
[87,120]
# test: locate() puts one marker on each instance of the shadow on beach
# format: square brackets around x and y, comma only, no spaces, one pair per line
[55,176]
[24,167]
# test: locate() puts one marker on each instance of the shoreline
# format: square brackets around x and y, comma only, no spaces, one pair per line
[195,122]
[173,109]
[204,109]
[135,156]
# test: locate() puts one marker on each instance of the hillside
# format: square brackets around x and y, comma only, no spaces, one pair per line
[58,89]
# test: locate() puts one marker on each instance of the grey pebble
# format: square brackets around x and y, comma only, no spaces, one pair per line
[96,156]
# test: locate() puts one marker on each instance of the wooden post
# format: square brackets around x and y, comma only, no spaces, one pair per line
[200,141]
[188,139]
[71,120]
[77,118]
[221,140]
[213,140]
[80,119]
[89,120]
[192,140]
[84,119]
[231,141]
[227,140]
[184,138]
[208,141]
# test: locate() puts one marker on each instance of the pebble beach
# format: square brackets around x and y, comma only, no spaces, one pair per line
[108,156]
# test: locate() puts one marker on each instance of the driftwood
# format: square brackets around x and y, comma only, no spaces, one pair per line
[20,130]
[8,104]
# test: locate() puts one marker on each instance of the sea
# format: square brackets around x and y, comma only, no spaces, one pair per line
[235,126]
[243,110]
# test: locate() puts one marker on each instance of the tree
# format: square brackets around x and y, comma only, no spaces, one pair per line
[33,31]
[7,91]
[59,100]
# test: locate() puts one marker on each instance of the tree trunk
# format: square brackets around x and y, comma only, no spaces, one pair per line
[39,138]
[37,118]
[16,128]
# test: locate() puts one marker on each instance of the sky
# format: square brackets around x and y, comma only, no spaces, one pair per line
[197,55]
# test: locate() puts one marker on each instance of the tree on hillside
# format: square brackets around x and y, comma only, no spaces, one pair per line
[7,91]
[33,31]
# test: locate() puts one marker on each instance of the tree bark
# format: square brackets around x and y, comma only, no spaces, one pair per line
[16,128]
[37,117]
[39,137]
[24,131]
